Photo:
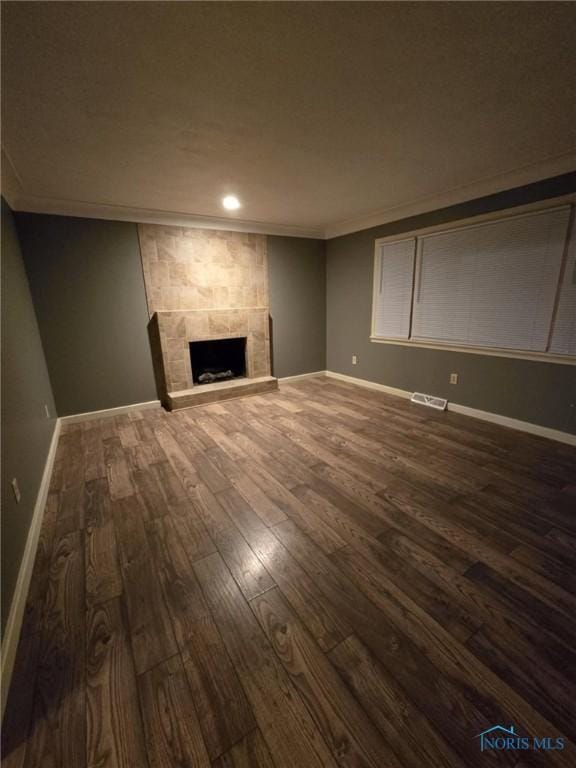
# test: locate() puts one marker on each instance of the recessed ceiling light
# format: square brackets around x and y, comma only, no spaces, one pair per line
[231,203]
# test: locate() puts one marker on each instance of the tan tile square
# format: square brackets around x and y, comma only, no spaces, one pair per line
[238,323]
[166,247]
[221,297]
[250,296]
[205,297]
[262,296]
[176,350]
[197,326]
[218,324]
[159,273]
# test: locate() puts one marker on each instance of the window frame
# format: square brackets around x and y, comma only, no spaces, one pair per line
[452,226]
[376,283]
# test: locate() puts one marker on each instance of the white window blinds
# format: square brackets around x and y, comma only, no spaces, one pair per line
[491,285]
[393,289]
[563,340]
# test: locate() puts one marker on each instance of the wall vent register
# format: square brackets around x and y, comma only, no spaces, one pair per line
[439,403]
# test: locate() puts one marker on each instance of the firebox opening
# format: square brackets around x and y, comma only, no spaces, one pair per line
[217,360]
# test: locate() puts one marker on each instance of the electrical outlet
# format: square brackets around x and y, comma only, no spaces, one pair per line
[47,411]
[16,489]
[354,360]
[453,378]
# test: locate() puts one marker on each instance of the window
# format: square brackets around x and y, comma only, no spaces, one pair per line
[393,299]
[563,341]
[507,284]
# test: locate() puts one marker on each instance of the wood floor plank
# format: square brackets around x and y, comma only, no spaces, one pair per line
[288,728]
[521,601]
[219,436]
[158,487]
[97,503]
[551,568]
[117,469]
[420,508]
[209,509]
[500,512]
[195,538]
[407,731]
[490,606]
[180,588]
[58,730]
[94,463]
[70,515]
[529,675]
[209,473]
[349,733]
[150,629]
[36,598]
[248,571]
[249,752]
[129,517]
[223,711]
[449,655]
[557,509]
[264,507]
[17,721]
[70,457]
[127,433]
[114,726]
[103,577]
[174,452]
[149,624]
[412,572]
[173,735]
[325,537]
[566,542]
[438,697]
[346,524]
[453,615]
[324,623]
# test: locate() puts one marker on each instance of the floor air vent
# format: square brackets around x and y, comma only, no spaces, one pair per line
[432,402]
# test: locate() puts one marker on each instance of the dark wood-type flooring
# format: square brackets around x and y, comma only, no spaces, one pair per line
[323,576]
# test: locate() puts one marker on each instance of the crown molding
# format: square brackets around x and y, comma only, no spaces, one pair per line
[57,207]
[519,177]
[12,190]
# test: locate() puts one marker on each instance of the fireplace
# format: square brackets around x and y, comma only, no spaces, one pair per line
[218,360]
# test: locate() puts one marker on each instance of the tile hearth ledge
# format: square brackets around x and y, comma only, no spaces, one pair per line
[222,390]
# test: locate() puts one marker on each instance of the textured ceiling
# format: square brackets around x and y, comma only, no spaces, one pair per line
[314,114]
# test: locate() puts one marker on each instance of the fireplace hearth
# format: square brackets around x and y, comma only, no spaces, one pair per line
[218,360]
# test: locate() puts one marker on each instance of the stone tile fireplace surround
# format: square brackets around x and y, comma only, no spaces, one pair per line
[205,285]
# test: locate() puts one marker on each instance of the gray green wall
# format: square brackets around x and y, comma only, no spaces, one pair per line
[542,393]
[88,289]
[87,284]
[297,274]
[26,431]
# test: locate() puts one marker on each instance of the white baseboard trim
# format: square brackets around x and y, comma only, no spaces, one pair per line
[522,426]
[312,375]
[369,384]
[476,413]
[75,417]
[16,615]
